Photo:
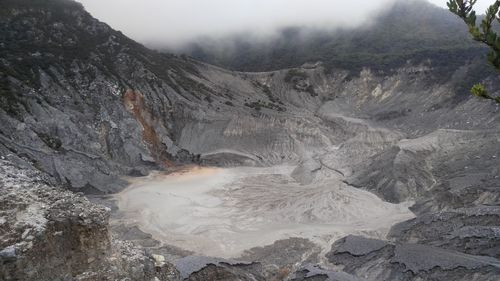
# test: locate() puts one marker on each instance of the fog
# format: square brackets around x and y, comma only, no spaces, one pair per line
[174,22]
[480,6]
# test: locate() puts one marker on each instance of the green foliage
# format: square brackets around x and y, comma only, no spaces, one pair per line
[483,33]
[268,92]
[294,74]
[38,165]
[412,32]
[50,141]
[8,100]
[54,36]
[311,91]
[258,105]
[478,90]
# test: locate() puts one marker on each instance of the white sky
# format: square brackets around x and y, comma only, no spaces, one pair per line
[173,22]
[481,5]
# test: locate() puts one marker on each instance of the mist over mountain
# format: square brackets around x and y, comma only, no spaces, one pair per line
[412,30]
[175,22]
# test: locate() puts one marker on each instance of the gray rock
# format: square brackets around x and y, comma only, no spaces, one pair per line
[8,254]
[310,272]
[192,264]
[469,230]
[359,246]
[414,262]
[424,258]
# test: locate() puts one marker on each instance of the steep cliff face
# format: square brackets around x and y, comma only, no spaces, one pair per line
[66,81]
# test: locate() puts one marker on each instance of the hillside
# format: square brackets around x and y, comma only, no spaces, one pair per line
[413,30]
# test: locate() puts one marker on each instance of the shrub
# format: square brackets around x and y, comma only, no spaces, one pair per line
[50,141]
[295,73]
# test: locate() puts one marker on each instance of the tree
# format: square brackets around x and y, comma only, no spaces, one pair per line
[483,33]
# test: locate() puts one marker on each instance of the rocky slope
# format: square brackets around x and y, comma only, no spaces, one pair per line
[82,106]
[52,234]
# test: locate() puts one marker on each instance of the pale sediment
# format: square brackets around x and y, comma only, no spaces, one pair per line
[224,211]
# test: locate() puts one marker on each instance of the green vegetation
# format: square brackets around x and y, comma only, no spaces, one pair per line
[43,36]
[50,141]
[294,74]
[268,92]
[8,100]
[258,105]
[411,32]
[208,99]
[483,33]
[38,165]
[311,91]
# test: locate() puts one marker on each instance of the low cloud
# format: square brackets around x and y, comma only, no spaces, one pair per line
[174,22]
[171,23]
[481,5]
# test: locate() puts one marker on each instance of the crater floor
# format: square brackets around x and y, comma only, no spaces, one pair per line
[224,211]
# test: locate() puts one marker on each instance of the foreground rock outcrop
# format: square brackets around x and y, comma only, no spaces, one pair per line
[48,233]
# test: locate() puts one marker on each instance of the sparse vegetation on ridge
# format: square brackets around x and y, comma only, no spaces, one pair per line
[412,31]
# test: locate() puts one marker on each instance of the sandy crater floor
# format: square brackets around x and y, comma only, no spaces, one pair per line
[224,211]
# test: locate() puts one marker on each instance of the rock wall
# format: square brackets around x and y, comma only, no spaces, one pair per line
[52,234]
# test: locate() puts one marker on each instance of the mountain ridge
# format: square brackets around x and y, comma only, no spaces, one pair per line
[409,30]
